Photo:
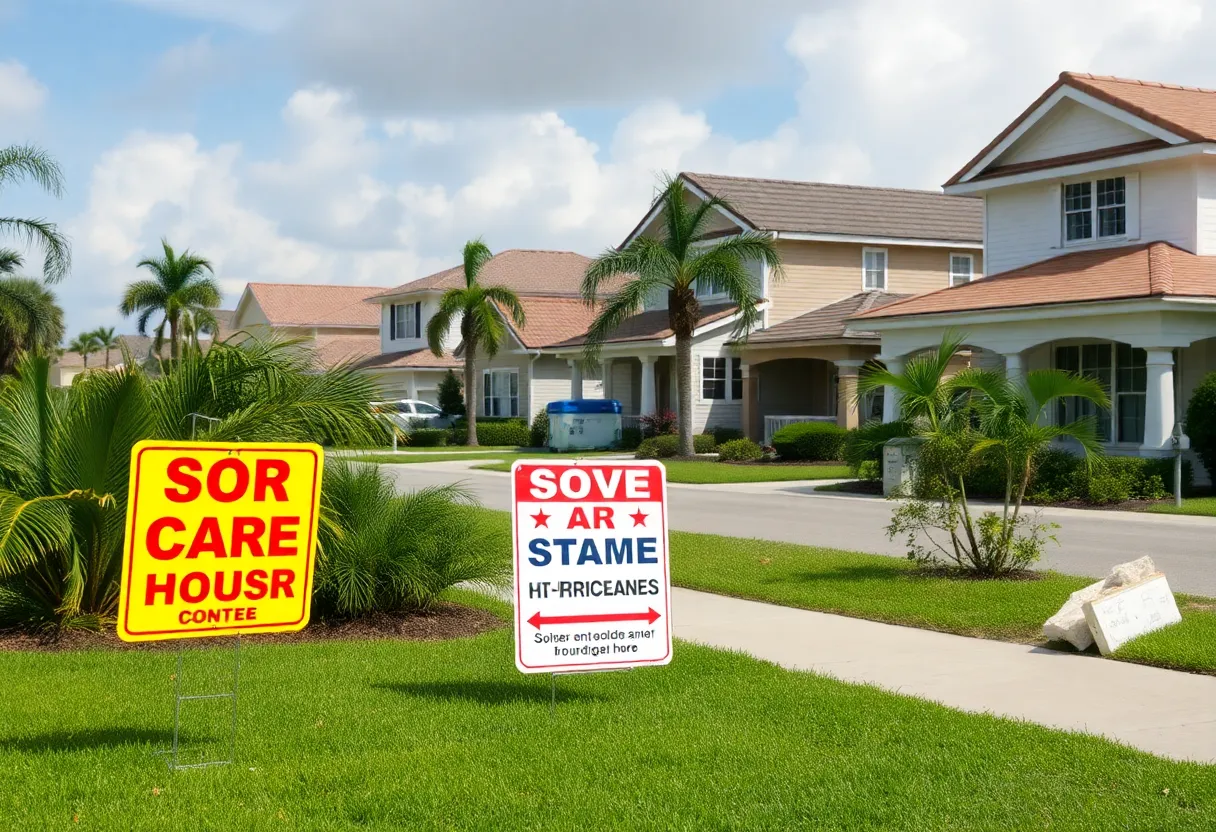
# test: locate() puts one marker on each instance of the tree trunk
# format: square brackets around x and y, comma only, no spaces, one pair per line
[173,338]
[684,385]
[470,392]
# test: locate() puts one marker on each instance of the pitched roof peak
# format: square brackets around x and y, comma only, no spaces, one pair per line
[1068,75]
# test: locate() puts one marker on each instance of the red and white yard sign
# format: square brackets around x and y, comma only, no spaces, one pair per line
[592,583]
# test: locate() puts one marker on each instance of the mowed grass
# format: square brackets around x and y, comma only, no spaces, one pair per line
[506,456]
[895,591]
[702,472]
[393,735]
[1199,506]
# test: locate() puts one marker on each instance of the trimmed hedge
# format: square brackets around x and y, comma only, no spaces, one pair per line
[862,449]
[1060,476]
[739,450]
[540,429]
[493,431]
[429,437]
[1201,422]
[668,445]
[810,441]
[723,434]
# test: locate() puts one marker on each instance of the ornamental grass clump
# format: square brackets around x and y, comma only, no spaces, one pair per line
[384,552]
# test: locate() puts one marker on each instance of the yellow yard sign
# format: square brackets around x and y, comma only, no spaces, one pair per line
[221,539]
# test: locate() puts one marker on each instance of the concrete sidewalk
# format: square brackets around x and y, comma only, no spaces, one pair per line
[1163,712]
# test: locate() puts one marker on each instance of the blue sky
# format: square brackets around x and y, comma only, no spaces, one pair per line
[362,142]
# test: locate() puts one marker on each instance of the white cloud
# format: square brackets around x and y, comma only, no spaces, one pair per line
[22,96]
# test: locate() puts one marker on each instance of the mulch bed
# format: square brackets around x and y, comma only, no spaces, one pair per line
[856,487]
[442,622]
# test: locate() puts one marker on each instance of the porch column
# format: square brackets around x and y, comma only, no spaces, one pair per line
[1015,371]
[848,413]
[606,376]
[411,386]
[1159,412]
[890,397]
[647,405]
[576,378]
[751,404]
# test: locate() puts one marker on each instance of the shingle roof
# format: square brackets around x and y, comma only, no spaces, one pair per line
[1189,112]
[308,304]
[332,350]
[853,210]
[421,358]
[827,323]
[552,320]
[1140,271]
[524,271]
[654,325]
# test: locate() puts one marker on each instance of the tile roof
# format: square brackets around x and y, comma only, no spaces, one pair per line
[309,304]
[524,271]
[654,325]
[552,320]
[421,359]
[822,208]
[332,350]
[1189,112]
[827,323]
[1141,271]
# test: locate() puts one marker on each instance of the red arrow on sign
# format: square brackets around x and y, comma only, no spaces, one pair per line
[650,616]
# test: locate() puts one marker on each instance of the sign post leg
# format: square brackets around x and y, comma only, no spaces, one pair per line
[173,752]
[552,694]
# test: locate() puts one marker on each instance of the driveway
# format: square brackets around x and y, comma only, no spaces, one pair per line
[1090,541]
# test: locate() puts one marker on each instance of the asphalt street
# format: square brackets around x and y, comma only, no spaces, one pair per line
[1184,548]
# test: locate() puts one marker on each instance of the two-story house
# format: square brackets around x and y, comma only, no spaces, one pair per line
[333,320]
[1100,243]
[844,249]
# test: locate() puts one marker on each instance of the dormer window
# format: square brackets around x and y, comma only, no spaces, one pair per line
[1095,207]
[405,321]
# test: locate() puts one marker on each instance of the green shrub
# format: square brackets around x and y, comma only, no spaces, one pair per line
[739,450]
[494,431]
[429,437]
[451,395]
[1201,422]
[1060,476]
[811,441]
[631,438]
[540,429]
[723,434]
[869,469]
[659,423]
[380,551]
[659,447]
[864,444]
[704,443]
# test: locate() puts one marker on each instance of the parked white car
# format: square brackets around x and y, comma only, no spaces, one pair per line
[409,414]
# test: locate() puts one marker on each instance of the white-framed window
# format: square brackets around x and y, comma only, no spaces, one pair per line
[962,268]
[1122,370]
[500,393]
[704,289]
[405,320]
[1095,209]
[721,378]
[874,269]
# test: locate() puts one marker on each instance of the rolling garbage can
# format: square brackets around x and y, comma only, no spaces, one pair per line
[584,424]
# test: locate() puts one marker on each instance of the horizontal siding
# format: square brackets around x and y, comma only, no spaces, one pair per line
[1205,186]
[817,274]
[1070,127]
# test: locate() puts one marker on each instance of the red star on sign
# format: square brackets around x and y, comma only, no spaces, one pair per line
[639,519]
[541,519]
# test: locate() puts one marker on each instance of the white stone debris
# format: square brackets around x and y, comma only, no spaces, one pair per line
[1069,623]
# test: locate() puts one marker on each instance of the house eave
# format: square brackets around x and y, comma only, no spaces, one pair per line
[1043,311]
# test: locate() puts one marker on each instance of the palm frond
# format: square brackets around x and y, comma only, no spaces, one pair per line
[476,254]
[38,233]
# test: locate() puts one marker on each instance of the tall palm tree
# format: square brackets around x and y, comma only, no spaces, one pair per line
[86,344]
[20,163]
[106,341]
[482,328]
[179,286]
[676,262]
[30,320]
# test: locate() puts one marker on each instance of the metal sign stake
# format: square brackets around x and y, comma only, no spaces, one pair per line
[173,751]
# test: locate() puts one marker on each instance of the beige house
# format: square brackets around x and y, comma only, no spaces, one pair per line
[1100,204]
[334,320]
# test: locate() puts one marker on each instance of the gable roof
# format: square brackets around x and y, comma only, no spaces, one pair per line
[790,206]
[523,271]
[311,304]
[827,323]
[1146,270]
[551,320]
[654,325]
[1187,112]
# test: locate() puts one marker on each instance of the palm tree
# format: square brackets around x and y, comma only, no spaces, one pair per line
[676,262]
[30,319]
[19,163]
[179,286]
[971,417]
[86,344]
[106,341]
[481,310]
[65,454]
[195,322]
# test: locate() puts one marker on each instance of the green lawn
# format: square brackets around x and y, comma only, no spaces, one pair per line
[410,449]
[1201,506]
[444,455]
[392,735]
[698,472]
